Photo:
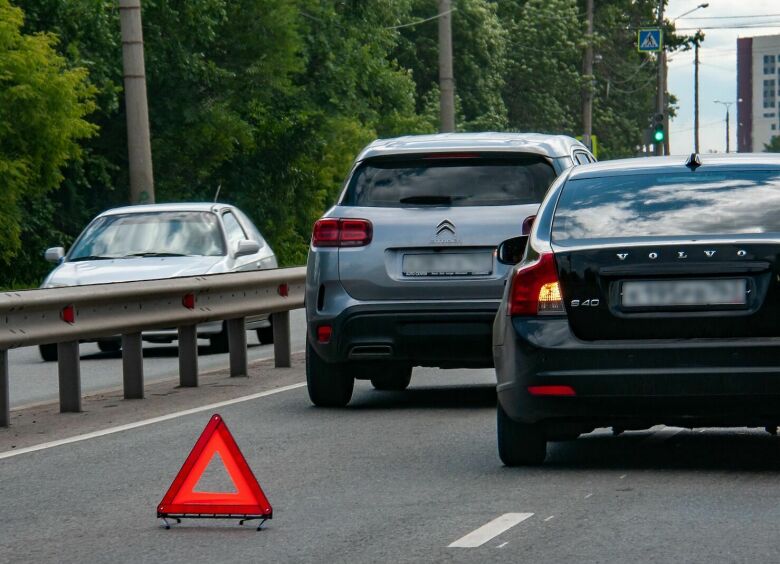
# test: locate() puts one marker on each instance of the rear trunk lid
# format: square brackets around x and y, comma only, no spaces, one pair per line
[670,255]
[437,221]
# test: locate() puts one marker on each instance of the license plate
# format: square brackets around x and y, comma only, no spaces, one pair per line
[448,264]
[660,293]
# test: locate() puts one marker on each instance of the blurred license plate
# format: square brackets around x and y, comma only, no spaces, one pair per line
[448,264]
[654,293]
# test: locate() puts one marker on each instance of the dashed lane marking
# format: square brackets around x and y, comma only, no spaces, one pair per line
[490,530]
[502,545]
[145,422]
[550,517]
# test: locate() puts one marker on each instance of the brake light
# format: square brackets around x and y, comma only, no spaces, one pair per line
[535,289]
[332,232]
[433,156]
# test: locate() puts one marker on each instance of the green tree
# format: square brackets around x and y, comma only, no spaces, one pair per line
[773,146]
[43,105]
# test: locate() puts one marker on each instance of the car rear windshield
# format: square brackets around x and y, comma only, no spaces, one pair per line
[668,205]
[154,233]
[436,181]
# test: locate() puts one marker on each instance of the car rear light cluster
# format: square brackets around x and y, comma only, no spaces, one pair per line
[334,232]
[535,289]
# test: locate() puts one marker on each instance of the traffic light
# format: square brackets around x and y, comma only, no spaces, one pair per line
[658,128]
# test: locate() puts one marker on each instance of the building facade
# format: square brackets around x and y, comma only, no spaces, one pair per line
[758,81]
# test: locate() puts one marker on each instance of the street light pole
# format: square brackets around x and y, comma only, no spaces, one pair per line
[727,105]
[660,103]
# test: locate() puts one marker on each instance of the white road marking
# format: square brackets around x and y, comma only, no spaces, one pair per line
[145,422]
[587,496]
[550,517]
[490,530]
[502,545]
[623,476]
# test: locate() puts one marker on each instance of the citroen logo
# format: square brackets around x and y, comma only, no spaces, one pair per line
[445,225]
[622,256]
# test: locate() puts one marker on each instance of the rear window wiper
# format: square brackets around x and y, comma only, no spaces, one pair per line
[429,200]
[155,255]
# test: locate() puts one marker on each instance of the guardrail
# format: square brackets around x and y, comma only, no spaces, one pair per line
[67,315]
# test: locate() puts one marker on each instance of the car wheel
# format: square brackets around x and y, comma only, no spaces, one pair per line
[265,335]
[329,384]
[391,378]
[218,343]
[520,444]
[48,352]
[110,346]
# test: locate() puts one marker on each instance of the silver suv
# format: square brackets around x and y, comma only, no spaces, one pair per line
[408,268]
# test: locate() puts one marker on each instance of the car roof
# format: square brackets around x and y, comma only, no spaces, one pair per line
[183,206]
[677,163]
[535,143]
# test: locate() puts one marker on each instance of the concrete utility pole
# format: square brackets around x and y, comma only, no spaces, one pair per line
[660,105]
[446,78]
[728,106]
[587,89]
[696,40]
[139,146]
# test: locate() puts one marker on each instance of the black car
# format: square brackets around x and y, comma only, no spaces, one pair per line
[649,294]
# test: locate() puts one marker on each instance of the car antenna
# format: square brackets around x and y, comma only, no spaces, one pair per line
[219,187]
[694,161]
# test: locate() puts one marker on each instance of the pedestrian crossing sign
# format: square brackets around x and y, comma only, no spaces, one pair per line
[649,40]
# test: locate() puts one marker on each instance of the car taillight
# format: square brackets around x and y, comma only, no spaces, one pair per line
[331,232]
[535,289]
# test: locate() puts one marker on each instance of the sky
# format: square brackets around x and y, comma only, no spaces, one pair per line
[717,70]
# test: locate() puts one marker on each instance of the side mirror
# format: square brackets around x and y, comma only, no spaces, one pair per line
[54,254]
[511,251]
[245,247]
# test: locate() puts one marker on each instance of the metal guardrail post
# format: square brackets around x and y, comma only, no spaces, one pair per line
[133,366]
[5,402]
[281,323]
[236,329]
[69,376]
[188,356]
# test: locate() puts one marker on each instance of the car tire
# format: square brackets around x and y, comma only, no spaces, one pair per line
[391,378]
[218,342]
[48,352]
[519,444]
[329,384]
[265,335]
[109,346]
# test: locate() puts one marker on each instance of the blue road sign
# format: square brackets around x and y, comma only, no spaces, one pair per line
[649,40]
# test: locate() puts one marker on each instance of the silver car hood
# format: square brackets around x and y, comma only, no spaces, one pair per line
[126,270]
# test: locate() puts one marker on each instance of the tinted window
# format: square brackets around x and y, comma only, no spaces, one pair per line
[167,233]
[455,182]
[700,203]
[233,229]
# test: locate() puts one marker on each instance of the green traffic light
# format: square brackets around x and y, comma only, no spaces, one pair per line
[658,135]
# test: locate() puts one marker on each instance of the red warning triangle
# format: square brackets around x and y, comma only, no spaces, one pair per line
[248,499]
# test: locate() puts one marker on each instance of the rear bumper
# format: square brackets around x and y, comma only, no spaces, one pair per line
[696,382]
[448,335]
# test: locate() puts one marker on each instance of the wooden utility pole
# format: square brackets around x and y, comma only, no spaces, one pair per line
[587,89]
[139,149]
[446,77]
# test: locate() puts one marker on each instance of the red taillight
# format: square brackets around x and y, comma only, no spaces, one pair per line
[535,289]
[324,333]
[330,232]
[551,391]
[528,223]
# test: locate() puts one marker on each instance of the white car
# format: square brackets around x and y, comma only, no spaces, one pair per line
[147,242]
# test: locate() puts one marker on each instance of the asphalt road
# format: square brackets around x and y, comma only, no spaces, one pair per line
[398,477]
[32,380]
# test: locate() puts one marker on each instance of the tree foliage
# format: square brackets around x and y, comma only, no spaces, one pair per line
[42,109]
[270,100]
